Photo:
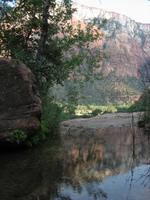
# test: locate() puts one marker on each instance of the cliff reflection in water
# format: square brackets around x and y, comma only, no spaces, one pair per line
[109,165]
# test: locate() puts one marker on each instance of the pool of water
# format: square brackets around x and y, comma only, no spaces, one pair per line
[133,185]
[113,165]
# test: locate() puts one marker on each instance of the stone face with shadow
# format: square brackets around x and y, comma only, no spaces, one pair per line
[20,104]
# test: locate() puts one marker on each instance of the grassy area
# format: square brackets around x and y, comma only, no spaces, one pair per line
[94,109]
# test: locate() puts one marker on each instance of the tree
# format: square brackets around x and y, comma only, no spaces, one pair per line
[40,33]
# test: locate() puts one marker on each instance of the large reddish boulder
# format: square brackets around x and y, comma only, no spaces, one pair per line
[20,104]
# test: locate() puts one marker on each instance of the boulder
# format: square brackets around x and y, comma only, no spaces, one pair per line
[20,104]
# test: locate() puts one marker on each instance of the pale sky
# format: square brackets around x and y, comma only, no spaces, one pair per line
[138,10]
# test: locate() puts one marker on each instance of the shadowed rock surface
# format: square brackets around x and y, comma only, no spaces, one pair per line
[20,104]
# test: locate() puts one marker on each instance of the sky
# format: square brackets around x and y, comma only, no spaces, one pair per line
[138,10]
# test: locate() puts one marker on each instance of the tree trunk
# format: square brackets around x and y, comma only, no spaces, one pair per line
[44,29]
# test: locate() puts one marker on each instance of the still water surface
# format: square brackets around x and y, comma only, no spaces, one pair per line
[113,165]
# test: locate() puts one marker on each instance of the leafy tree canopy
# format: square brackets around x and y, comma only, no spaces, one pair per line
[41,34]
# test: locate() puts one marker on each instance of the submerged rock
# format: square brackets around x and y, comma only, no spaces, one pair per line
[20,104]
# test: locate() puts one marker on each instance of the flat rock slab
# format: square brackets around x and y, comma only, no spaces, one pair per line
[106,121]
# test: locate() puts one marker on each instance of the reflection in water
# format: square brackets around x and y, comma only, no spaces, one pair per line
[110,164]
[113,188]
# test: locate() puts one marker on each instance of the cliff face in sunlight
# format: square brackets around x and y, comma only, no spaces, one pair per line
[126,43]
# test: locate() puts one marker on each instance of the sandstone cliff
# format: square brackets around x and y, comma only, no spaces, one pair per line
[126,43]
[117,76]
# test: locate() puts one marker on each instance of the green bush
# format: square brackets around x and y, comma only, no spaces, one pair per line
[18,136]
[111,109]
[96,112]
[51,116]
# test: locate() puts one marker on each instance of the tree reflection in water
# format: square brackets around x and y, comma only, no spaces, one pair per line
[111,164]
[115,154]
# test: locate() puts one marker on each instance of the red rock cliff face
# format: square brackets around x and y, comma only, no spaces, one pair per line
[124,55]
[126,44]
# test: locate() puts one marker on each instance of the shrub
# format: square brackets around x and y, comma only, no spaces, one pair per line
[51,117]
[18,136]
[96,112]
[111,109]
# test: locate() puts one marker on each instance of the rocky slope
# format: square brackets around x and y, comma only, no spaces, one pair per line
[126,43]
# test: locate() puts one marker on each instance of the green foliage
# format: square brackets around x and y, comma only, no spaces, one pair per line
[51,117]
[95,109]
[144,105]
[72,99]
[96,112]
[18,136]
[111,109]
[99,90]
[40,34]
